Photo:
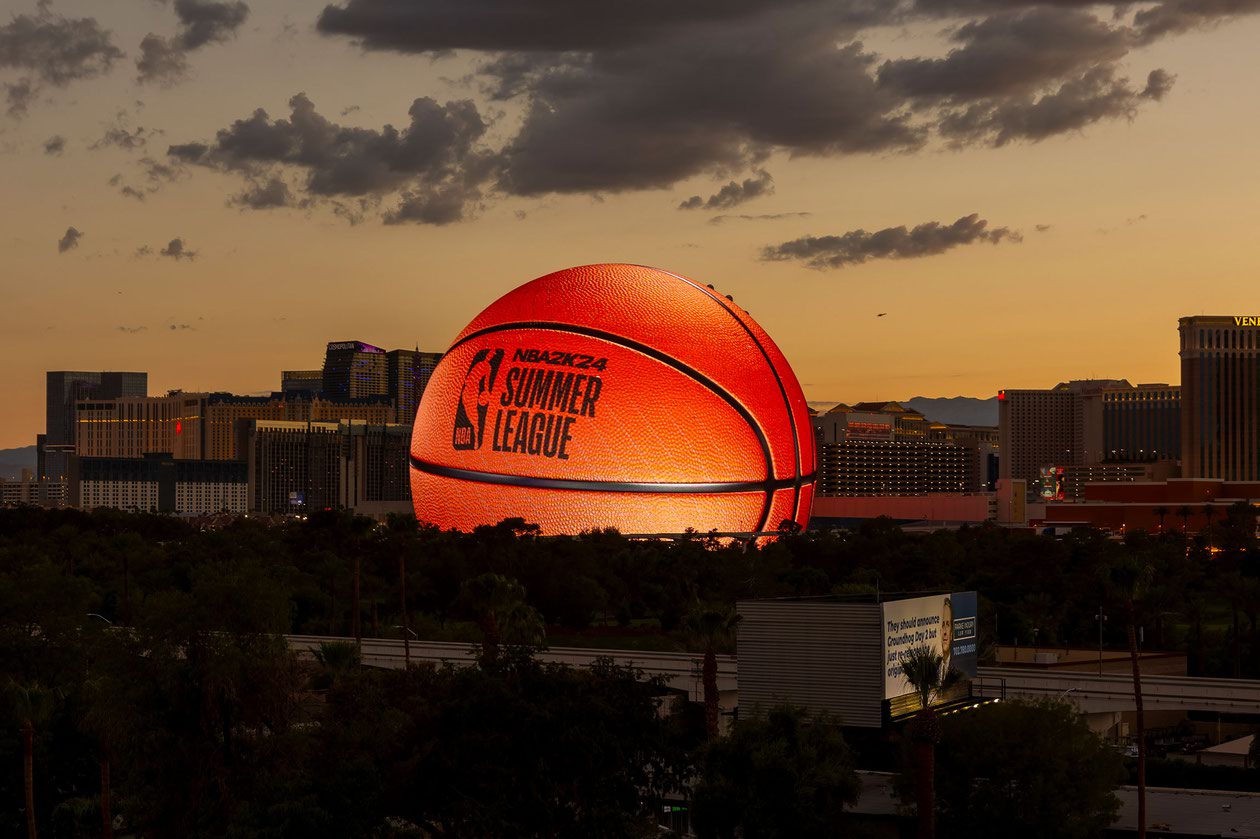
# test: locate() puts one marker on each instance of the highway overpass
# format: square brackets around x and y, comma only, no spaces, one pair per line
[1096,693]
[682,670]
[1092,693]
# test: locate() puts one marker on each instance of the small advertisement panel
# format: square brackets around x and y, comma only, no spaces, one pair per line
[1052,483]
[945,622]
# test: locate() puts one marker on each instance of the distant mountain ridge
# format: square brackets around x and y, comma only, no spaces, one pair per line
[13,461]
[955,410]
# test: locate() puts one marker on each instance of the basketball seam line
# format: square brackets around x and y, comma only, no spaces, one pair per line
[651,352]
[696,488]
[796,444]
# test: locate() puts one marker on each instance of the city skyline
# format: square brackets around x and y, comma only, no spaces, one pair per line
[142,243]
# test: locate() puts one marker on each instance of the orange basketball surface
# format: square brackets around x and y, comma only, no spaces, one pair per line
[613,395]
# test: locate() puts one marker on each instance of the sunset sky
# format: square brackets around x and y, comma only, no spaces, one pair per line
[210,191]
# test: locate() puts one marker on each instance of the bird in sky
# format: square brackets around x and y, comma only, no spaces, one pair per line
[881,314]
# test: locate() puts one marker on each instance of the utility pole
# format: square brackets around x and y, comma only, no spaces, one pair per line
[402,595]
[357,621]
[1101,618]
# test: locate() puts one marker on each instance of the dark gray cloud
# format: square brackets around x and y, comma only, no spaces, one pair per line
[1009,53]
[208,21]
[142,251]
[181,327]
[160,61]
[132,330]
[631,96]
[539,26]
[201,22]
[267,194]
[644,95]
[51,49]
[132,192]
[733,194]
[433,163]
[189,152]
[859,246]
[1172,17]
[955,8]
[55,145]
[1158,83]
[69,241]
[177,250]
[1096,95]
[649,116]
[430,205]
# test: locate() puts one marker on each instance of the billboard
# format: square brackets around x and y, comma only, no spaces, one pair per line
[945,622]
[1052,483]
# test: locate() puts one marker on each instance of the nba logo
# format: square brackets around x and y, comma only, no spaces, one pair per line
[474,400]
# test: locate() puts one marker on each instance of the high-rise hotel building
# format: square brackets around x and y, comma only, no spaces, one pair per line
[1220,397]
[65,389]
[353,369]
[1141,424]
[409,373]
[1060,426]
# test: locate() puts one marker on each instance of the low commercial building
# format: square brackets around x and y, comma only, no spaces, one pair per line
[1187,504]
[941,509]
[28,489]
[1068,483]
[985,439]
[158,483]
[1236,752]
[877,467]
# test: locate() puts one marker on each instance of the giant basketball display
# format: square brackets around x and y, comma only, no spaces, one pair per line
[613,396]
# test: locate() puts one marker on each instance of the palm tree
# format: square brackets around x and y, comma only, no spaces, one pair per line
[711,628]
[1185,513]
[1161,512]
[924,668]
[498,605]
[1208,512]
[32,705]
[338,658]
[108,722]
[1127,577]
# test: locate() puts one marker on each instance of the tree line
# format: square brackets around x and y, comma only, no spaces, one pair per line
[147,680]
[340,575]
